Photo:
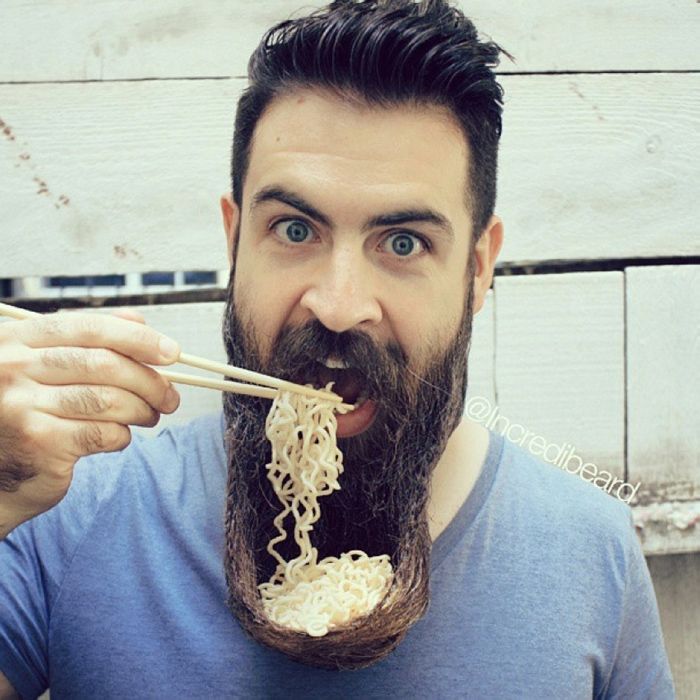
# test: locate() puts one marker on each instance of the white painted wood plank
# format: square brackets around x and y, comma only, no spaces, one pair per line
[600,167]
[128,39]
[568,35]
[669,527]
[114,177]
[560,364]
[110,39]
[481,358]
[124,177]
[677,585]
[663,354]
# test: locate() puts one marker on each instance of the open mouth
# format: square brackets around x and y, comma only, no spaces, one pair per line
[348,382]
[351,384]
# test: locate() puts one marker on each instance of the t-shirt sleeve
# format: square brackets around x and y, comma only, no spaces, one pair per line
[641,668]
[24,618]
[34,559]
[38,558]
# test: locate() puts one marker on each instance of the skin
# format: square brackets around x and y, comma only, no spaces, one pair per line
[351,165]
[70,385]
[341,170]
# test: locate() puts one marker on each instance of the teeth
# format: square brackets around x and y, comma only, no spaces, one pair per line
[364,395]
[332,363]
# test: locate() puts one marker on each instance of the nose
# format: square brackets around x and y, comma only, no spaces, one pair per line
[342,294]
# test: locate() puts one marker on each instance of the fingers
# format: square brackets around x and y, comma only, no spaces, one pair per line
[123,336]
[70,385]
[97,404]
[62,366]
[70,440]
[129,314]
[91,437]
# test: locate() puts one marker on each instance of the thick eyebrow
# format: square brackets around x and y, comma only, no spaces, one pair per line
[412,216]
[397,218]
[277,194]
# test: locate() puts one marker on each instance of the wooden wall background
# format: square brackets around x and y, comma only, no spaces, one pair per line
[115,127]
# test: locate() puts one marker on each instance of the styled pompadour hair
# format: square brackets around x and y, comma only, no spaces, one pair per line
[384,53]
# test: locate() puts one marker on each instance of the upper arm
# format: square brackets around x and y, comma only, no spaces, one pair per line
[641,667]
[7,692]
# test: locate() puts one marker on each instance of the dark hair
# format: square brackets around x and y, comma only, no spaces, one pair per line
[384,53]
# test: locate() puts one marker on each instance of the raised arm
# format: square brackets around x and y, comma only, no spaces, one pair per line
[71,385]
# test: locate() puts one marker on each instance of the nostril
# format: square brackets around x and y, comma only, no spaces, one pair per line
[341,308]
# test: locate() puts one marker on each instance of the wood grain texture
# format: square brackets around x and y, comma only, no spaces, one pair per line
[560,361]
[600,167]
[668,527]
[107,40]
[103,178]
[677,585]
[663,327]
[114,177]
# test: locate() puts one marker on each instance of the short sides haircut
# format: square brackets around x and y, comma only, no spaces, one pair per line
[384,53]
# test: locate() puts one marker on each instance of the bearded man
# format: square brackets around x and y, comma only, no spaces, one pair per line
[362,240]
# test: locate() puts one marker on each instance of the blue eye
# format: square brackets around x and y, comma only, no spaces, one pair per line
[293,231]
[404,244]
[297,231]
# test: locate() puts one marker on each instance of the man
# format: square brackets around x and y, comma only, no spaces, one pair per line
[362,239]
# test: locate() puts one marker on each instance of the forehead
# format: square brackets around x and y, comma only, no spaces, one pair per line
[330,141]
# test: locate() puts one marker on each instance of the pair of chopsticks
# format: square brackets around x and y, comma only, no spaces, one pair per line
[260,384]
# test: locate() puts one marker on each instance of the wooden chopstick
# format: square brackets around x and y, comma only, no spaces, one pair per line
[219,384]
[256,377]
[15,312]
[268,390]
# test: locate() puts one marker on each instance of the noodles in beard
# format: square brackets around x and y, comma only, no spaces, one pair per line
[305,594]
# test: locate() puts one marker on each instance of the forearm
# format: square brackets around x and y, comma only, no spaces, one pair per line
[12,515]
[7,692]
[6,527]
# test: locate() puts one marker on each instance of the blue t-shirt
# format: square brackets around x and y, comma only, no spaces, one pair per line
[539,589]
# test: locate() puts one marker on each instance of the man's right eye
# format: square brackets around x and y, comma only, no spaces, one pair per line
[293,231]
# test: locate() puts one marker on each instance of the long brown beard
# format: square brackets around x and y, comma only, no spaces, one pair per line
[382,505]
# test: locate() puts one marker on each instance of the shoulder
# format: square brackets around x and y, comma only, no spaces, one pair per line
[175,450]
[552,530]
[148,461]
[150,470]
[539,496]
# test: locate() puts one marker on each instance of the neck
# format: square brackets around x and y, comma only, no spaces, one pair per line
[456,473]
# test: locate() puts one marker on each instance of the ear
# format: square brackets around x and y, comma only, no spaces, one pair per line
[231,215]
[485,252]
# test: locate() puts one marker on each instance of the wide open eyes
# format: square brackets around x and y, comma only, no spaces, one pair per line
[403,244]
[293,231]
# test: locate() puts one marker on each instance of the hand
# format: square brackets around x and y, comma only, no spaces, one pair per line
[70,385]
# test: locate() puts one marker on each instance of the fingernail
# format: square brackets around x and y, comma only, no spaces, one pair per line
[169,349]
[172,399]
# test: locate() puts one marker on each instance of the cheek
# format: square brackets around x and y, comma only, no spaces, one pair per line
[265,300]
[429,324]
